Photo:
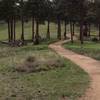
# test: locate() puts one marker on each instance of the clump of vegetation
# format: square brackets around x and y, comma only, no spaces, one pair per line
[32,64]
[95,39]
[31,59]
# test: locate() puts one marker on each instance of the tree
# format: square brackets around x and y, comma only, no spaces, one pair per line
[39,11]
[72,7]
[58,13]
[22,13]
[31,11]
[8,14]
[90,18]
[97,3]
[64,14]
[82,13]
[49,14]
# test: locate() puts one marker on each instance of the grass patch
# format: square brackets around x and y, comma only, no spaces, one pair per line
[91,49]
[70,81]
[33,64]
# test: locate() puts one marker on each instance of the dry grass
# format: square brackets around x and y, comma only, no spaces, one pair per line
[32,64]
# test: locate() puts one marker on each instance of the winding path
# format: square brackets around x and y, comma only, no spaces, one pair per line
[91,66]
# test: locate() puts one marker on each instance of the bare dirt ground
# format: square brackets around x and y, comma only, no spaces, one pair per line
[91,66]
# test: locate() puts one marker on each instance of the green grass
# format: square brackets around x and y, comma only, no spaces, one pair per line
[70,81]
[90,49]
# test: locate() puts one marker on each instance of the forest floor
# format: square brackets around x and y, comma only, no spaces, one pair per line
[91,66]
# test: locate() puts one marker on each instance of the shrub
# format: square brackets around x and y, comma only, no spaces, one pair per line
[55,63]
[31,64]
[95,39]
[18,43]
[31,59]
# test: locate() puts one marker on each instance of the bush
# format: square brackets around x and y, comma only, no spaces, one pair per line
[95,39]
[31,59]
[18,43]
[31,64]
[55,63]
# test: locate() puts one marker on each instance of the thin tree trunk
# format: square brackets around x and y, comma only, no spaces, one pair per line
[59,29]
[86,30]
[14,28]
[37,32]
[65,33]
[48,30]
[71,30]
[9,32]
[33,28]
[22,35]
[99,31]
[22,22]
[89,30]
[11,29]
[81,32]
[37,28]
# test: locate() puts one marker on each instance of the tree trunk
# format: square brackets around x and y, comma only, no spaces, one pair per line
[14,28]
[33,28]
[9,31]
[22,35]
[81,32]
[65,33]
[85,30]
[73,28]
[99,31]
[71,31]
[89,30]
[59,29]
[37,32]
[22,21]
[48,29]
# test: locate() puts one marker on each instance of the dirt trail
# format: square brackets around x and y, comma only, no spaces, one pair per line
[91,66]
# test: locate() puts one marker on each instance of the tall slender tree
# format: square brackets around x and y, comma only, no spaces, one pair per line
[58,13]
[39,12]
[82,12]
[8,14]
[49,14]
[22,20]
[31,11]
[97,3]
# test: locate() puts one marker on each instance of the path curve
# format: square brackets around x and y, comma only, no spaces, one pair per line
[91,66]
